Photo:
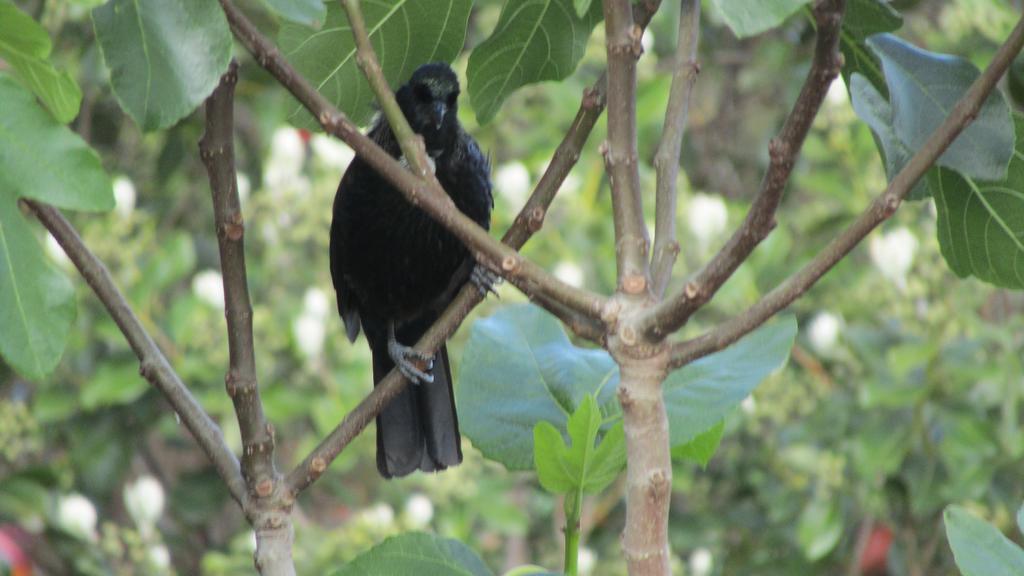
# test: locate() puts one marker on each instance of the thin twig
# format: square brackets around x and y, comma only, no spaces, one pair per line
[152,364]
[965,111]
[217,150]
[427,194]
[666,160]
[783,150]
[529,220]
[620,150]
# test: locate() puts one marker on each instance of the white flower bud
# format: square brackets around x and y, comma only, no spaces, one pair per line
[569,273]
[144,500]
[309,331]
[244,187]
[707,217]
[287,153]
[823,332]
[331,152]
[893,254]
[701,562]
[418,510]
[77,516]
[208,286]
[513,182]
[379,516]
[159,557]
[315,303]
[124,196]
[586,561]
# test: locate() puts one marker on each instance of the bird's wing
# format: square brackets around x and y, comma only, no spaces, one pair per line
[345,294]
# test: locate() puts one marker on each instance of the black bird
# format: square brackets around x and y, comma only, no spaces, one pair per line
[395,270]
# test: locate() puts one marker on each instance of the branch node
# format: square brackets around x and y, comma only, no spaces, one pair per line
[625,398]
[634,284]
[317,466]
[658,484]
[511,263]
[535,219]
[233,229]
[628,335]
[264,487]
[691,290]
[892,203]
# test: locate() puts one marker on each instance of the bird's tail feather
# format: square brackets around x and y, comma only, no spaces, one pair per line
[419,429]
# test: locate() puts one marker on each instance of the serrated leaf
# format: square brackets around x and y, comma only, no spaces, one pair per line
[979,548]
[519,368]
[534,41]
[165,56]
[875,111]
[417,553]
[404,34]
[924,87]
[698,396]
[981,224]
[41,159]
[703,447]
[747,18]
[307,12]
[25,45]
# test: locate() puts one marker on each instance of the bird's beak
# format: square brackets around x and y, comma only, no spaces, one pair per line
[439,110]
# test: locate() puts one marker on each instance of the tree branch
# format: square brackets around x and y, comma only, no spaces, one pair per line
[152,364]
[666,160]
[427,194]
[620,152]
[880,209]
[267,513]
[783,150]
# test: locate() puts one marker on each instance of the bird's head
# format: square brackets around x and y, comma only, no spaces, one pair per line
[429,101]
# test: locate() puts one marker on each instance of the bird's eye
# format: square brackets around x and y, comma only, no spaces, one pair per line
[452,98]
[422,93]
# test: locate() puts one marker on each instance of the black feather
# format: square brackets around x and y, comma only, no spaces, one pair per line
[392,263]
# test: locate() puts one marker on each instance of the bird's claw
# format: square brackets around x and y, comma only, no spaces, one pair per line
[485,280]
[412,363]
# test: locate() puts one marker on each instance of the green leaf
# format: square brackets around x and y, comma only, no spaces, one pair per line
[698,396]
[165,56]
[113,384]
[819,528]
[1020,519]
[981,224]
[924,87]
[404,33]
[25,45]
[307,12]
[747,18]
[534,40]
[875,111]
[579,466]
[979,548]
[519,368]
[703,447]
[582,7]
[864,18]
[41,159]
[419,554]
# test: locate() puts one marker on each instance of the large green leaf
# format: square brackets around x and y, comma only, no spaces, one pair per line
[875,111]
[700,395]
[307,12]
[404,33]
[979,548]
[703,447]
[534,40]
[520,368]
[419,554]
[41,159]
[26,47]
[165,56]
[924,87]
[864,18]
[747,18]
[981,223]
[819,528]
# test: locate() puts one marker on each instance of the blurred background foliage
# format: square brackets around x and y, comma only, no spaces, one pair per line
[903,392]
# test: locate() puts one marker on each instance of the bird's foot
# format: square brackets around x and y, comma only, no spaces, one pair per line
[485,280]
[412,363]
